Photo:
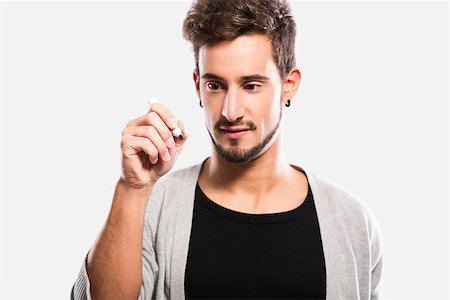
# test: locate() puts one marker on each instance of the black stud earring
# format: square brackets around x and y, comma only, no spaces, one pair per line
[288,103]
[201,104]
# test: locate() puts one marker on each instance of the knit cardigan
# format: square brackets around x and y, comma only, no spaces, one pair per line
[351,239]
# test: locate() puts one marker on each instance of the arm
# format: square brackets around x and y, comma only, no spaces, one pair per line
[114,266]
[114,263]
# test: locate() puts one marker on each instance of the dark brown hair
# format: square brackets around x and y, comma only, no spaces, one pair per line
[212,21]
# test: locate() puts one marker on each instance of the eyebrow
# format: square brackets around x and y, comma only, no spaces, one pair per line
[243,78]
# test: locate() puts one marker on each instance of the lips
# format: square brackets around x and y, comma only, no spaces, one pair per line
[235,132]
[234,129]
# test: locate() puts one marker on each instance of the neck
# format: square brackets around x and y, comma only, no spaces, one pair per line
[257,177]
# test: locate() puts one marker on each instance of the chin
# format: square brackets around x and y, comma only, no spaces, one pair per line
[242,150]
[234,156]
[238,153]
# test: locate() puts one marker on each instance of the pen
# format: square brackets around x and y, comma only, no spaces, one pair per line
[175,132]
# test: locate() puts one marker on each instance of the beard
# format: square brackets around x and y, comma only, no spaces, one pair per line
[236,154]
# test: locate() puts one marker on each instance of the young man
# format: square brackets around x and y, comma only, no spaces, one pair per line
[243,223]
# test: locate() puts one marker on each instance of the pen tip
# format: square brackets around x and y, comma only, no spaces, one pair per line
[180,137]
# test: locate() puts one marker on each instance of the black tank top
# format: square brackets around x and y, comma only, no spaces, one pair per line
[234,255]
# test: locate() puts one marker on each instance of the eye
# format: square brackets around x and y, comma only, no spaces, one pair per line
[252,86]
[213,86]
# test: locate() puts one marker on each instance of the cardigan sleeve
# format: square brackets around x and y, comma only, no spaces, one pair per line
[81,288]
[149,266]
[377,262]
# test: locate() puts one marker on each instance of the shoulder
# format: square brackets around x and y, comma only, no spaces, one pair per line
[174,185]
[339,197]
[175,178]
[349,209]
[180,175]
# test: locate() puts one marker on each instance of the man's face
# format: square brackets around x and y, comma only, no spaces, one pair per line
[240,88]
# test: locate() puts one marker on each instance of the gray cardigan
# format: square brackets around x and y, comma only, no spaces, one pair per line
[351,239]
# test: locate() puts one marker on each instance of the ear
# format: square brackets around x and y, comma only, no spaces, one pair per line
[291,84]
[196,82]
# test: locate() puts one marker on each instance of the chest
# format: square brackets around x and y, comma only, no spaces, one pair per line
[281,199]
[234,254]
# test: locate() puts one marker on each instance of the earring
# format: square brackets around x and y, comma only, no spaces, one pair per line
[201,104]
[288,103]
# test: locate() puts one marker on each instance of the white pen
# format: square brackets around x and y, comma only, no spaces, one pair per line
[175,132]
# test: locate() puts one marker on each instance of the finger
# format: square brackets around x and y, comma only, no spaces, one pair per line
[155,120]
[164,132]
[133,145]
[164,113]
[153,136]
[142,120]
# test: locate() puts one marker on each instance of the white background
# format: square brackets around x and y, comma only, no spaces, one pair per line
[371,114]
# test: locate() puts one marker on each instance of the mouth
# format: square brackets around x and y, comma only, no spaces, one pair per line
[235,133]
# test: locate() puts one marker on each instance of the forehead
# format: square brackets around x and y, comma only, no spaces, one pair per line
[247,54]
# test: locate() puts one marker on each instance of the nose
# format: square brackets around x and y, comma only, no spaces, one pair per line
[233,106]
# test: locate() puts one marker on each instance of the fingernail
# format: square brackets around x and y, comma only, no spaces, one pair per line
[167,157]
[170,143]
[187,133]
[172,123]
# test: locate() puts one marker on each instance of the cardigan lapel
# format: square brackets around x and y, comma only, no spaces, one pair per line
[183,223]
[341,272]
[327,234]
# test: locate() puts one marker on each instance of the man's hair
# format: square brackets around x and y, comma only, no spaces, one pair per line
[209,22]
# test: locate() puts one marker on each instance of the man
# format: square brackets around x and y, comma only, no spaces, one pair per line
[243,223]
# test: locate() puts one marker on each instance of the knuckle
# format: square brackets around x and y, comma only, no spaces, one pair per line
[150,147]
[150,131]
[153,151]
[148,118]
[152,116]
[162,149]
[145,143]
[166,135]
